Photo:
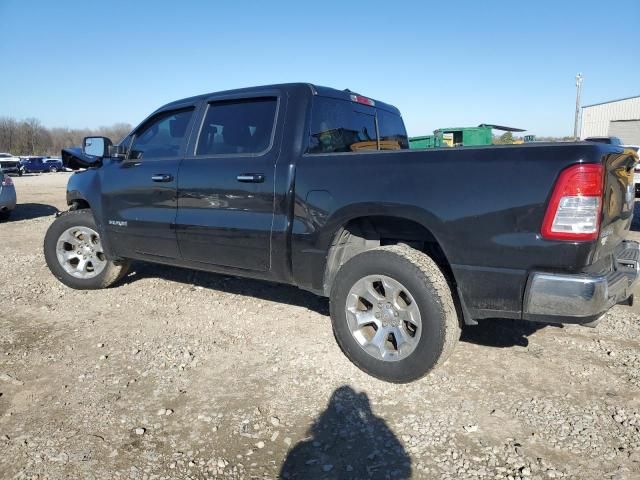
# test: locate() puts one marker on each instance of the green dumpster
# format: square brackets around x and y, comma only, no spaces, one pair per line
[459,136]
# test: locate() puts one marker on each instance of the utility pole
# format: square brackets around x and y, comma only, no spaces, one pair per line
[577,117]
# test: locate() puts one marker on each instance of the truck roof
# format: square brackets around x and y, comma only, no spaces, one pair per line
[288,87]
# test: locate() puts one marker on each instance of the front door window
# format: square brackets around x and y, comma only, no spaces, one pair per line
[162,137]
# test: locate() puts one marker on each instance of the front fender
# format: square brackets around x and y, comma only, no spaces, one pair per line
[85,187]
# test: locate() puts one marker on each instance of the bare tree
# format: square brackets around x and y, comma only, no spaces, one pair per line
[115,132]
[8,134]
[30,137]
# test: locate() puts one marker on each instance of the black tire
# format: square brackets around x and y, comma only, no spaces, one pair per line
[53,169]
[79,218]
[4,215]
[427,285]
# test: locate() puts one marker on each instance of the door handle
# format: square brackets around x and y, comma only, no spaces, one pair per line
[251,177]
[162,177]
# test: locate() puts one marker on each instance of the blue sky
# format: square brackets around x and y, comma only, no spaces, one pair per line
[85,64]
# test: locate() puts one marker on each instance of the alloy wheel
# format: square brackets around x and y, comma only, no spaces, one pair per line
[79,252]
[383,317]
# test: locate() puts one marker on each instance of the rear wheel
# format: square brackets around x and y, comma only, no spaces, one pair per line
[5,214]
[393,313]
[74,253]
[53,169]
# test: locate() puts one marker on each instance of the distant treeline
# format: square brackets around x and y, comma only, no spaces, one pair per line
[508,137]
[30,137]
[568,138]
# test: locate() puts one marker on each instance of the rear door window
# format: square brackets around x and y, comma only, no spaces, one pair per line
[238,127]
[341,126]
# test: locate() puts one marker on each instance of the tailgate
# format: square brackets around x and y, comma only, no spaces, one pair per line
[617,202]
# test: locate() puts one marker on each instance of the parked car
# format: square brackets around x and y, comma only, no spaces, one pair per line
[10,164]
[290,183]
[7,196]
[607,140]
[55,164]
[26,160]
[41,164]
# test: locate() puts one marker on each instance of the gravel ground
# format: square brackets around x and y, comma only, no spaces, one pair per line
[180,374]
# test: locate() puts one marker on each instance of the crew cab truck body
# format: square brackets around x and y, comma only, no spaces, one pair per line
[316,187]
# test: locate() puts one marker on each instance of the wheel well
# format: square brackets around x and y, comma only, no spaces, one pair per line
[79,204]
[365,233]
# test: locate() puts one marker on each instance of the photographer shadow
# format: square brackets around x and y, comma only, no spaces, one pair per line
[348,441]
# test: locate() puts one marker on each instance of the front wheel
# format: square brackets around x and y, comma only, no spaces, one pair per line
[53,169]
[393,314]
[74,254]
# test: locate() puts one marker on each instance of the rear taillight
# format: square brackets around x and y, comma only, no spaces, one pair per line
[576,204]
[6,181]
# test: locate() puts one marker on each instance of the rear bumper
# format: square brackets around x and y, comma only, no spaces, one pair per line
[582,298]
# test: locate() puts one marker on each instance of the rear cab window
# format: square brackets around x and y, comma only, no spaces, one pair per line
[393,135]
[339,126]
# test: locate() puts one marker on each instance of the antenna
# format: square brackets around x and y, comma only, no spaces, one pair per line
[577,115]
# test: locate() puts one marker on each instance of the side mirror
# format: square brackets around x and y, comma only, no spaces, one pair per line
[96,146]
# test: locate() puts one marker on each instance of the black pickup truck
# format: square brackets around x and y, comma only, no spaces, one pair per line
[316,187]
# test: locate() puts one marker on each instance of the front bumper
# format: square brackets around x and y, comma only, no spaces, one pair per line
[582,298]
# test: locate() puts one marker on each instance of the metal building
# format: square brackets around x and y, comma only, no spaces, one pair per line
[616,118]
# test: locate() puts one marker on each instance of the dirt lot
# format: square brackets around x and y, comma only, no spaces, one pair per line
[177,374]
